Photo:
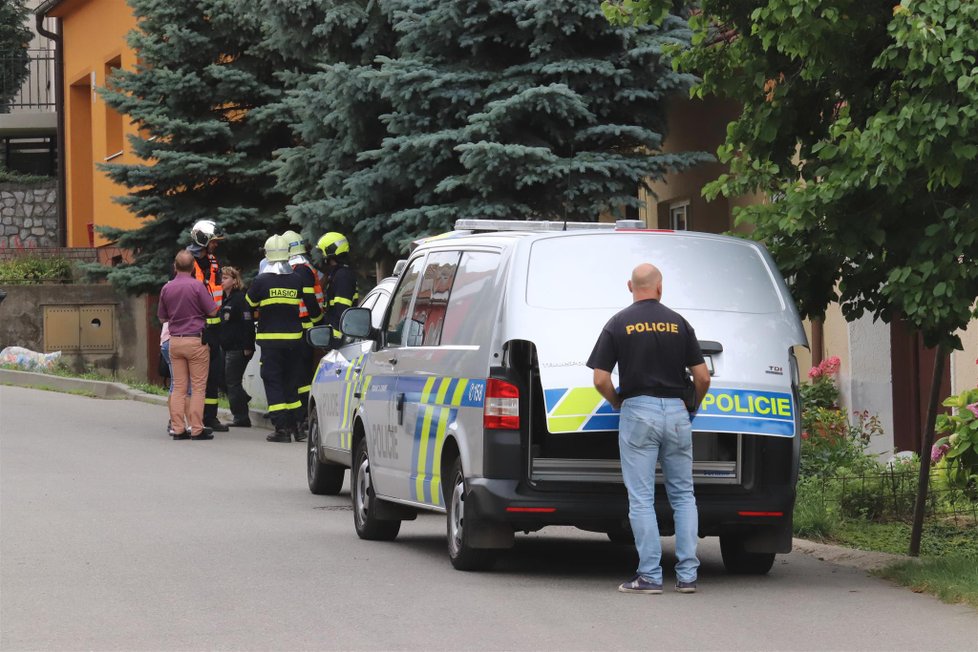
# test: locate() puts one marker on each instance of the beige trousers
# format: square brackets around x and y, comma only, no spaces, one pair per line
[189,361]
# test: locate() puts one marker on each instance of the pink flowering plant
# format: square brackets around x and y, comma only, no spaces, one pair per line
[831,439]
[958,442]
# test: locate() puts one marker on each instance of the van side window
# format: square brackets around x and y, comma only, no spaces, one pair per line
[401,304]
[468,320]
[428,315]
[377,312]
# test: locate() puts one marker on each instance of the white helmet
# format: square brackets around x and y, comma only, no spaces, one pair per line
[203,231]
[296,245]
[276,249]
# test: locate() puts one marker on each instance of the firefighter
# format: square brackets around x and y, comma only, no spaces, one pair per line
[205,236]
[310,280]
[341,280]
[276,295]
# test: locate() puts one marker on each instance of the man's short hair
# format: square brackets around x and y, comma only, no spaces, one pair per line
[183,261]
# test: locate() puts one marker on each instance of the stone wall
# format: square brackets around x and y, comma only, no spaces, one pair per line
[28,215]
[22,324]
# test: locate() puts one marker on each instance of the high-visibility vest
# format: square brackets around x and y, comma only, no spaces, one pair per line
[317,287]
[215,288]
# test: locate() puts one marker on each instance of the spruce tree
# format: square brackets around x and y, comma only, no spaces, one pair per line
[518,110]
[198,94]
[14,38]
[333,105]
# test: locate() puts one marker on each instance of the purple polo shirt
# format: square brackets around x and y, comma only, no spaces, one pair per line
[185,302]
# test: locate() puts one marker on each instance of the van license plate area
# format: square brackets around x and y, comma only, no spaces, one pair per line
[716,460]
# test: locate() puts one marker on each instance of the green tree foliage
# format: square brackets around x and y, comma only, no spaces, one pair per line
[860,122]
[198,94]
[521,109]
[333,105]
[14,38]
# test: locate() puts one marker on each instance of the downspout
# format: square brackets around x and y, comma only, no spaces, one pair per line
[59,104]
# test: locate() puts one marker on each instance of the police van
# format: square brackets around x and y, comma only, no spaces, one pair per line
[470,395]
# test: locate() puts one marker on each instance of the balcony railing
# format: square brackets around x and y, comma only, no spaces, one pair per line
[37,91]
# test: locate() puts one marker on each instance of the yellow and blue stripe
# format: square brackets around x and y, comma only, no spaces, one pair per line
[583,409]
[438,405]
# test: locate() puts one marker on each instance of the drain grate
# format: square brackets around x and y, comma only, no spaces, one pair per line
[336,508]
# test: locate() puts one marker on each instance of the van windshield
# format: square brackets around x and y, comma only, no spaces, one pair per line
[590,271]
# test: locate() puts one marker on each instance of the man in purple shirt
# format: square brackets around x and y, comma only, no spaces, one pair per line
[185,304]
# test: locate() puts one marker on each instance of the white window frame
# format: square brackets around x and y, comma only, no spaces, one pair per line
[679,212]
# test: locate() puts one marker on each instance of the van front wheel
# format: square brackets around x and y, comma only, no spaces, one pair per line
[738,561]
[462,555]
[324,479]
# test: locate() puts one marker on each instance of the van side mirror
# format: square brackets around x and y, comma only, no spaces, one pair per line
[355,322]
[320,337]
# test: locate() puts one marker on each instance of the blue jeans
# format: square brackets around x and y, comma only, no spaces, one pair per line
[650,426]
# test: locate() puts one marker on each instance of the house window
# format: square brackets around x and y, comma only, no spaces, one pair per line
[113,120]
[679,216]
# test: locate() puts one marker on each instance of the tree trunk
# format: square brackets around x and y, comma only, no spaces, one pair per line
[926,441]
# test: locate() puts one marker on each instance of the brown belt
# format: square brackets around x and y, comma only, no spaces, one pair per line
[191,335]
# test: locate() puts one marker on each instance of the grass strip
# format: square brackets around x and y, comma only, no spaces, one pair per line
[952,578]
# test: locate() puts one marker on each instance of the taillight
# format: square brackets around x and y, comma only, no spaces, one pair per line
[502,407]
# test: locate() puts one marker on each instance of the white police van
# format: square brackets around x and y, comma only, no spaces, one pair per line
[473,397]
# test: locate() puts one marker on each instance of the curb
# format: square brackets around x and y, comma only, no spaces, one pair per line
[866,560]
[105,390]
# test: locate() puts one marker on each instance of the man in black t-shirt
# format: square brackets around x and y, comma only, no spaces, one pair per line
[652,347]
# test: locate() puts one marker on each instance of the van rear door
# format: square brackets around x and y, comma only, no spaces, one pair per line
[730,292]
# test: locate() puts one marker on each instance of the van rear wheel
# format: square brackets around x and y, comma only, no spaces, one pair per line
[738,561]
[367,525]
[324,479]
[462,555]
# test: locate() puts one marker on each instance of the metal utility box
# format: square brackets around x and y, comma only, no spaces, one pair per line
[80,328]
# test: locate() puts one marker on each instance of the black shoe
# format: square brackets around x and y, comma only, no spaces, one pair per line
[216,425]
[300,434]
[205,433]
[240,423]
[280,436]
[182,435]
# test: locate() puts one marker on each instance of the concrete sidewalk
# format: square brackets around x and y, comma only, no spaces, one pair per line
[104,389]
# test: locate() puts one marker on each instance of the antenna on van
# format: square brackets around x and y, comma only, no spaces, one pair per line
[570,173]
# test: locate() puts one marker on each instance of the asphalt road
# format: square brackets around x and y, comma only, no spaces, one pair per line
[114,537]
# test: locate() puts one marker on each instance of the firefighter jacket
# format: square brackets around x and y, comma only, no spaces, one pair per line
[277,299]
[341,293]
[211,279]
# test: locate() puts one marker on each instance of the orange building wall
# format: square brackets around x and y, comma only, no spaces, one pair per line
[94,37]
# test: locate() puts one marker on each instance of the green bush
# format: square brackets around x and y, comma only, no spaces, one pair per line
[814,516]
[30,270]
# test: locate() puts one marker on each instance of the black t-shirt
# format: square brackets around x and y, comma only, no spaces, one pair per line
[652,346]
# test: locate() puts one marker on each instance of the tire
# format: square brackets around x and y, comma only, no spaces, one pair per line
[324,479]
[463,556]
[738,561]
[362,493]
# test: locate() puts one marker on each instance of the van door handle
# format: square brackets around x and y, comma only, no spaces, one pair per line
[339,372]
[399,403]
[392,360]
[357,370]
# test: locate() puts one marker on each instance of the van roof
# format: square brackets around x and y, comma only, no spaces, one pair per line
[513,230]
